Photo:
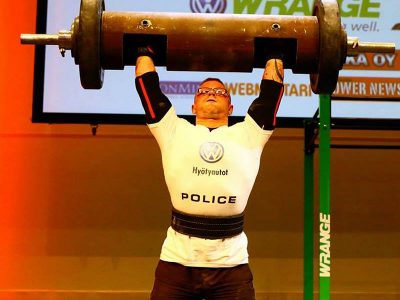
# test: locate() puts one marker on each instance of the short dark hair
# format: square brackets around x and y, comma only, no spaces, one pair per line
[212,79]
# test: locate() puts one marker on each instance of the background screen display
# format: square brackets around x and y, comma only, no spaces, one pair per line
[370,84]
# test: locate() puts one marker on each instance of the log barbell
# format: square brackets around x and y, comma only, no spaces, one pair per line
[317,45]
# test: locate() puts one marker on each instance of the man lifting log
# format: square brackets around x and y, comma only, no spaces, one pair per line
[204,255]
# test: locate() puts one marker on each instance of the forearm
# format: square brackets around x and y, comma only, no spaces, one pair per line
[144,64]
[154,102]
[274,70]
[263,109]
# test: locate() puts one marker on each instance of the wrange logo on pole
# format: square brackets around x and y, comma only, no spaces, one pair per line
[208,6]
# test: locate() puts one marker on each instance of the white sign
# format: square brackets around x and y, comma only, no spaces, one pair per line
[364,77]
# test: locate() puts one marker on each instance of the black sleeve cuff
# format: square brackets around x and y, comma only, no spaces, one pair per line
[263,109]
[154,102]
[270,88]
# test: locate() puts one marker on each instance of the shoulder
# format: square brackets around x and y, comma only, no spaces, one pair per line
[251,126]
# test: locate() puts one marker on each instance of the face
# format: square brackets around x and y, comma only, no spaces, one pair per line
[212,105]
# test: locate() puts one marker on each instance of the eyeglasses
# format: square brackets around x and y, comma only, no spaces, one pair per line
[215,91]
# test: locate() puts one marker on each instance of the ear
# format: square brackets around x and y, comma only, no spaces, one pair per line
[230,111]
[193,109]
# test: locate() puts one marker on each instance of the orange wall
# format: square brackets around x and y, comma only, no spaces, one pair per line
[16,65]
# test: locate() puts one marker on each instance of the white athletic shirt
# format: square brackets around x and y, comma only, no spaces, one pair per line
[208,173]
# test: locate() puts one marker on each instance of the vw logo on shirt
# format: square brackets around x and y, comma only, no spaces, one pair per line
[208,6]
[211,152]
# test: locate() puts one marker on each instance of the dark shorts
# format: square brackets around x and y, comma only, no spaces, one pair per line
[174,281]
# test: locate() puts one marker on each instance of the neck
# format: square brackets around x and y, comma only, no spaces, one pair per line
[212,123]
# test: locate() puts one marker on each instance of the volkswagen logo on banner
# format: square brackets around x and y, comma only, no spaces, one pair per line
[211,152]
[208,6]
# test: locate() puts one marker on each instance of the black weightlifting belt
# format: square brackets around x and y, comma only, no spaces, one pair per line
[207,227]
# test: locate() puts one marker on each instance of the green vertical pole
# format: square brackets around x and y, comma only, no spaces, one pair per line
[308,243]
[324,198]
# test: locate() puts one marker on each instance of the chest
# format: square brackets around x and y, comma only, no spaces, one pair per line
[223,147]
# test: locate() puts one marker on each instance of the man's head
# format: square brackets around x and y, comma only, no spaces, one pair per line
[212,103]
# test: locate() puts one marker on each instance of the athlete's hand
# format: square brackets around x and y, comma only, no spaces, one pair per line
[146,51]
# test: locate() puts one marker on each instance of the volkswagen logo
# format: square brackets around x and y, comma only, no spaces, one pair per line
[208,6]
[211,152]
